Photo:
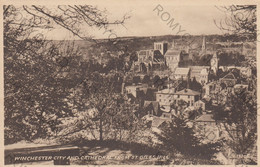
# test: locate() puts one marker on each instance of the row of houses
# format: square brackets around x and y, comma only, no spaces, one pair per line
[156,104]
[160,105]
[177,62]
[230,80]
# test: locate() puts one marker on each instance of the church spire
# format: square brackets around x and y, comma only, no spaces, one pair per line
[215,55]
[214,63]
[203,47]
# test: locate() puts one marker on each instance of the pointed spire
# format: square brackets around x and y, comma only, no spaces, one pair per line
[203,48]
[215,55]
[173,44]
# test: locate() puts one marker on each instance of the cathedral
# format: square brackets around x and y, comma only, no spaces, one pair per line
[151,59]
[162,57]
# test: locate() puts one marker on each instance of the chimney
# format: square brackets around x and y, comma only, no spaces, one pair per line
[123,88]
[168,83]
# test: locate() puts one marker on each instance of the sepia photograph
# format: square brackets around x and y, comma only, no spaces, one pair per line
[130,83]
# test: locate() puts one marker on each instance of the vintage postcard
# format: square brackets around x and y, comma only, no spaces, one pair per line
[96,83]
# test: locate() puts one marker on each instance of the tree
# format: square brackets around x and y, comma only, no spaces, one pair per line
[136,79]
[239,120]
[179,106]
[240,19]
[116,64]
[35,92]
[205,60]
[74,18]
[195,85]
[179,141]
[105,101]
[38,74]
[158,82]
[106,114]
[146,79]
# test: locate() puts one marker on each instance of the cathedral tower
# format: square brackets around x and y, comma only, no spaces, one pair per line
[214,63]
[203,47]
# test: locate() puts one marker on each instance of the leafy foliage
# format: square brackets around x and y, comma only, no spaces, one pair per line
[179,140]
[239,118]
[240,19]
[40,76]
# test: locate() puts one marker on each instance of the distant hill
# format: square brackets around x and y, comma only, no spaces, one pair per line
[129,45]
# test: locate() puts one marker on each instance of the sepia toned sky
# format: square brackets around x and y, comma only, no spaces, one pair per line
[144,21]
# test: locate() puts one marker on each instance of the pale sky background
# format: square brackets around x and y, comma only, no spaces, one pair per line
[144,21]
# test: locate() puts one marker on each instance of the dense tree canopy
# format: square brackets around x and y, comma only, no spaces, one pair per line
[177,138]
[40,75]
[240,19]
[238,116]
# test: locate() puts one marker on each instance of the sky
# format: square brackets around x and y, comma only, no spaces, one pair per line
[153,20]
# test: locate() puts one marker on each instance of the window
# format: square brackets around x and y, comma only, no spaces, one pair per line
[178,96]
[188,96]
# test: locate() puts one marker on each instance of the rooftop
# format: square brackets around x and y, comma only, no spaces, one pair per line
[190,108]
[182,71]
[234,74]
[240,86]
[157,55]
[144,52]
[154,104]
[199,67]
[210,83]
[205,118]
[166,108]
[187,92]
[157,121]
[204,71]
[167,91]
[197,70]
[204,100]
[172,52]
[229,76]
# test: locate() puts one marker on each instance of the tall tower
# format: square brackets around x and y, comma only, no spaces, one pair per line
[173,44]
[203,47]
[161,46]
[214,63]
